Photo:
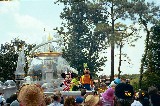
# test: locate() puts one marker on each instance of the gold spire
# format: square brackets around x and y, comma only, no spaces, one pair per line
[50,37]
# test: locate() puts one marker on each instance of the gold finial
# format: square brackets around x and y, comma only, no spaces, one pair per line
[50,37]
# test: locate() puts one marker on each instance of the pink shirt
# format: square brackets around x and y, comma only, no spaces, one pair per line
[106,102]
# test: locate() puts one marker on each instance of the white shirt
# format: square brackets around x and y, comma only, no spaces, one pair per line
[2,99]
[55,103]
[136,103]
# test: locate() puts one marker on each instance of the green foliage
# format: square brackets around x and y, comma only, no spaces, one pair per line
[152,61]
[9,56]
[150,79]
[83,41]
[117,12]
[146,14]
[134,80]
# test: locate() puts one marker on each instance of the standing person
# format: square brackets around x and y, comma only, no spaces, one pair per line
[107,98]
[91,100]
[2,100]
[14,101]
[58,93]
[86,79]
[69,101]
[124,94]
[31,95]
[154,96]
[56,101]
[137,100]
[114,83]
[144,98]
[80,99]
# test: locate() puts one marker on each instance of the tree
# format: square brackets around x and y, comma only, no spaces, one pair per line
[9,57]
[146,14]
[116,11]
[152,61]
[125,35]
[101,16]
[83,41]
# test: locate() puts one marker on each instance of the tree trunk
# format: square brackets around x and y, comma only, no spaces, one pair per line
[120,60]
[144,56]
[112,45]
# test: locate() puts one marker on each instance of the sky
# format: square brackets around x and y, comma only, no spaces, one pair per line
[26,19]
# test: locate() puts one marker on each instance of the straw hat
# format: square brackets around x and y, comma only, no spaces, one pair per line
[92,100]
[31,95]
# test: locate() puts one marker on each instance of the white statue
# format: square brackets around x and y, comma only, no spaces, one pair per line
[21,62]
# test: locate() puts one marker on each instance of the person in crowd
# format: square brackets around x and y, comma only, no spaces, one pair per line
[124,94]
[58,93]
[92,100]
[69,101]
[31,95]
[2,100]
[107,98]
[8,101]
[56,101]
[154,96]
[48,100]
[115,83]
[80,99]
[137,100]
[14,101]
[144,98]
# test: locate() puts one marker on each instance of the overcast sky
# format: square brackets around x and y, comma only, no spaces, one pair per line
[27,19]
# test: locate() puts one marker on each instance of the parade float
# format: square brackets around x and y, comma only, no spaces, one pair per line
[48,56]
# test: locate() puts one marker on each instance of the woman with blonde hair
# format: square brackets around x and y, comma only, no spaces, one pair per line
[31,95]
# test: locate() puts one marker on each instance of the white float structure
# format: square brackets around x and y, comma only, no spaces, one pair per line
[49,52]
